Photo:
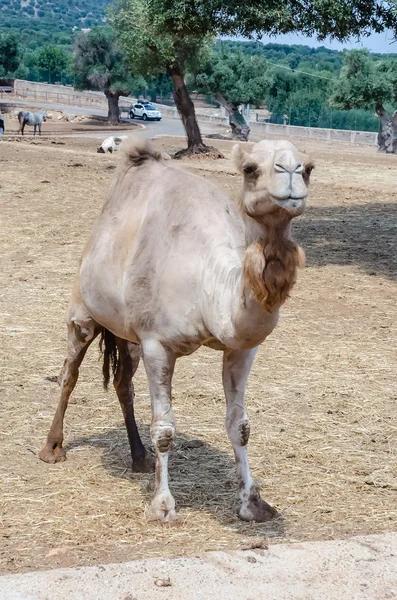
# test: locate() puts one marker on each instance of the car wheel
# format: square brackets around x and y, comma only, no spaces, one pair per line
[132,116]
[158,119]
[144,117]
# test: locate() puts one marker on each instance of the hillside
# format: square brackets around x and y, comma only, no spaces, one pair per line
[295,56]
[40,21]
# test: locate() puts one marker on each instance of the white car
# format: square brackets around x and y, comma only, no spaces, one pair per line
[147,112]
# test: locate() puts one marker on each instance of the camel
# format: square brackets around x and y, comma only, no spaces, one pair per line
[173,264]
[111,144]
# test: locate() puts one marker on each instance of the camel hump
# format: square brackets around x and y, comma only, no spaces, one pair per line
[140,151]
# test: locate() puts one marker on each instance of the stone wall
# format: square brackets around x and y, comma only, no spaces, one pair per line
[61,94]
[335,135]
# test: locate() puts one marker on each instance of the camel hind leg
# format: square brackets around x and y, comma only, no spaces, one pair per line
[82,330]
[127,364]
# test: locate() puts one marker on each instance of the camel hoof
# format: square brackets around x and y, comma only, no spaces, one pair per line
[52,455]
[163,508]
[164,516]
[257,509]
[144,465]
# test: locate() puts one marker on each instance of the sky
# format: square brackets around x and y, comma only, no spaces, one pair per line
[377,42]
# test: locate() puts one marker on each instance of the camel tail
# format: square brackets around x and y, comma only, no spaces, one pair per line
[140,151]
[108,347]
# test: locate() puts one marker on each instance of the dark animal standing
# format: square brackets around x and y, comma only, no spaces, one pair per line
[34,119]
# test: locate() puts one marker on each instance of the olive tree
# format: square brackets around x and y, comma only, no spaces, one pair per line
[234,79]
[364,83]
[9,54]
[100,65]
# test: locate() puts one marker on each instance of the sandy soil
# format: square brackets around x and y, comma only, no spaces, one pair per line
[62,123]
[321,397]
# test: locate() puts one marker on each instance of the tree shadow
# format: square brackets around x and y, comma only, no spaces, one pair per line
[202,477]
[362,235]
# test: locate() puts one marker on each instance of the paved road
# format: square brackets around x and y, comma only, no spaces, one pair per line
[164,127]
[361,568]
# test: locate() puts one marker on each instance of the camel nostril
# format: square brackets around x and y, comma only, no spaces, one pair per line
[288,168]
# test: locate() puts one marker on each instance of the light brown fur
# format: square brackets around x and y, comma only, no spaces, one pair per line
[270,268]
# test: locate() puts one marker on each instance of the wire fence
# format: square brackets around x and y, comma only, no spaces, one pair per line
[326,117]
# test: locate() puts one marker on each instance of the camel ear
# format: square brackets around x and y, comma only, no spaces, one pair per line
[245,163]
[238,156]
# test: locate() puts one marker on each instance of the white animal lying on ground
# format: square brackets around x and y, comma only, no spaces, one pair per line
[111,144]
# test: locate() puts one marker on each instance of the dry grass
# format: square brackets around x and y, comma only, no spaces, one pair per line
[321,397]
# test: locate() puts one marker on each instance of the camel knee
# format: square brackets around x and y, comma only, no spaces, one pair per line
[162,437]
[83,331]
[239,432]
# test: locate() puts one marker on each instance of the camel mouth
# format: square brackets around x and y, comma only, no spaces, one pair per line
[294,206]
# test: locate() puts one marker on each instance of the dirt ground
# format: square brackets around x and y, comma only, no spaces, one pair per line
[321,397]
[61,123]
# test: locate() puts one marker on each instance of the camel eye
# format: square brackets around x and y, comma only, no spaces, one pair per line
[250,170]
[308,170]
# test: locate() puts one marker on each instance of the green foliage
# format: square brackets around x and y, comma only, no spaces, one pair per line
[52,57]
[388,70]
[9,54]
[362,83]
[300,93]
[57,21]
[237,77]
[99,64]
[336,18]
[158,34]
[149,43]
[294,57]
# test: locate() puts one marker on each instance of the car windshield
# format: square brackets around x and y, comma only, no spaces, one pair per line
[149,107]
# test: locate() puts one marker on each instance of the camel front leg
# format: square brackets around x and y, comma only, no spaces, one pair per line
[80,336]
[236,368]
[159,363]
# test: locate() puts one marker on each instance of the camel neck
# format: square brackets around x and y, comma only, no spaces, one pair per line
[270,229]
[271,261]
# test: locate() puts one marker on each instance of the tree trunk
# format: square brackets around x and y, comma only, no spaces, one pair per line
[186,110]
[387,136]
[240,128]
[113,107]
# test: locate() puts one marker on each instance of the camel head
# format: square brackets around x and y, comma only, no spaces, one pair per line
[276,176]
